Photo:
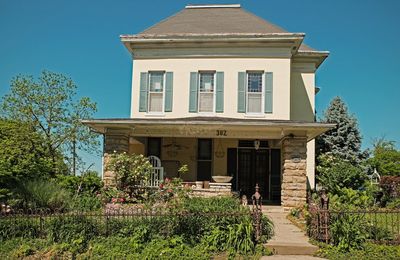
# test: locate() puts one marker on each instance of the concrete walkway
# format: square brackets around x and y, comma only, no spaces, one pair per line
[288,239]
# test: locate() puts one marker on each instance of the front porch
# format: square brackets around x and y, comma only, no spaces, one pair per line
[270,153]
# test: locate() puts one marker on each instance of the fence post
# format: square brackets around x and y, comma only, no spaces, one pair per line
[325,215]
[257,212]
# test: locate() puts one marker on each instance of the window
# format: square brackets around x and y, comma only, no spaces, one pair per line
[204,159]
[254,92]
[156,91]
[206,91]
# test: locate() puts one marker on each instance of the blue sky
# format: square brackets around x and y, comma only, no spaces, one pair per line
[81,40]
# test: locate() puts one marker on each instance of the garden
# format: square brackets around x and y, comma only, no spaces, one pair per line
[76,217]
[355,211]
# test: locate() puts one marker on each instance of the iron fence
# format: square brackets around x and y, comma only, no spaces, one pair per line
[377,225]
[61,226]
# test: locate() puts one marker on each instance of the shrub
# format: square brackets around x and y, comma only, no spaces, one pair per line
[368,251]
[390,186]
[348,231]
[19,227]
[350,199]
[43,194]
[87,183]
[335,174]
[131,170]
[77,230]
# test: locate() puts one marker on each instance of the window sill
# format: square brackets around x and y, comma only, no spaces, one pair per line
[255,115]
[206,113]
[154,114]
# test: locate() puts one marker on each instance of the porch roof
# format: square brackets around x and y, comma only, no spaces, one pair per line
[208,126]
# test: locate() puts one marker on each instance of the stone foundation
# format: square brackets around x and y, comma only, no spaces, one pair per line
[294,172]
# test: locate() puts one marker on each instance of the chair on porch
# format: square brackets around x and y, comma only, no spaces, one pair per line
[157,171]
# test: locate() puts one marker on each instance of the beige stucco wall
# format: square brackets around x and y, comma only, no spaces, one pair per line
[230,66]
[302,108]
[220,163]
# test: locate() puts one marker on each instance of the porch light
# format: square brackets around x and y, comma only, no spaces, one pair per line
[257,144]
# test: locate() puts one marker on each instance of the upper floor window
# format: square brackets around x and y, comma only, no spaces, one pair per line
[254,92]
[206,91]
[156,91]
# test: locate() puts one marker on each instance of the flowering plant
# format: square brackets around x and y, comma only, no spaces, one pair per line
[131,171]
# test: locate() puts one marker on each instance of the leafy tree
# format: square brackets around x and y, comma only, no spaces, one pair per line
[23,155]
[386,158]
[48,104]
[344,141]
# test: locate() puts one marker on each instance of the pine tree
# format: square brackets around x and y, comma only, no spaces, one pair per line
[344,141]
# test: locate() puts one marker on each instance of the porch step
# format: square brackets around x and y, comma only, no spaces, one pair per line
[272,209]
[281,248]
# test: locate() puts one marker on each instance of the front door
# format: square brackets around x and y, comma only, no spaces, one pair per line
[253,168]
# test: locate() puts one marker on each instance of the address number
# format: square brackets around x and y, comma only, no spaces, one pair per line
[221,133]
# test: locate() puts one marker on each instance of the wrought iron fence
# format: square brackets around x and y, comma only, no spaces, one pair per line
[112,221]
[378,225]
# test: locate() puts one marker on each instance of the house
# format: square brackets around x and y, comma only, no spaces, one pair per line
[227,93]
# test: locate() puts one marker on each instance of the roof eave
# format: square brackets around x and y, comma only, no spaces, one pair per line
[317,56]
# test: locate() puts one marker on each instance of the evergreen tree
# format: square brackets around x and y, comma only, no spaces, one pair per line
[344,141]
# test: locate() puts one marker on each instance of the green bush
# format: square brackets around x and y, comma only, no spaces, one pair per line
[19,227]
[87,183]
[74,229]
[335,174]
[368,251]
[43,194]
[346,198]
[348,231]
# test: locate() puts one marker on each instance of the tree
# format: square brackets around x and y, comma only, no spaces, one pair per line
[48,105]
[344,141]
[386,158]
[23,156]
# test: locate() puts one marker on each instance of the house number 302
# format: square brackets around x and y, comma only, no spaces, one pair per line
[221,133]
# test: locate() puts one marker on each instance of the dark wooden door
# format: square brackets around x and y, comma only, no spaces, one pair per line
[253,168]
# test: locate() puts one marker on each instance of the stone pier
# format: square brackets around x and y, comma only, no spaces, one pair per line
[114,141]
[294,172]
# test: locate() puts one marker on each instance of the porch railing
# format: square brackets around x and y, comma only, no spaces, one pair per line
[156,176]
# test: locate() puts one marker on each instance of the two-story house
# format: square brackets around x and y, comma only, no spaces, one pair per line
[227,93]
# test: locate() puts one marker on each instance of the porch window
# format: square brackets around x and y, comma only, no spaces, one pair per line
[254,92]
[156,91]
[206,91]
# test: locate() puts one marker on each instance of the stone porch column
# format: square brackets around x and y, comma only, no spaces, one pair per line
[115,140]
[294,172]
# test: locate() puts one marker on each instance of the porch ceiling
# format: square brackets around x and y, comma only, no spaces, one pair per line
[210,127]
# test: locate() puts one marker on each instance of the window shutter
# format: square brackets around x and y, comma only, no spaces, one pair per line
[242,92]
[268,92]
[219,108]
[143,91]
[169,79]
[193,92]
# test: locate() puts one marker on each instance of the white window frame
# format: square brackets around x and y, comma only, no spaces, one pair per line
[212,113]
[156,113]
[261,113]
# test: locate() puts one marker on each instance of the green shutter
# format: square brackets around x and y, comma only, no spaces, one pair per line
[143,92]
[220,93]
[268,92]
[193,92]
[242,92]
[168,91]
